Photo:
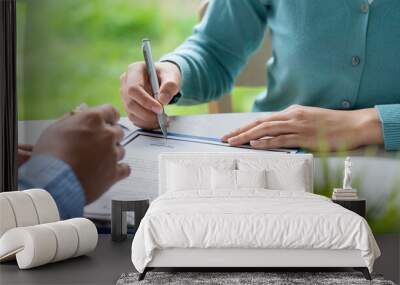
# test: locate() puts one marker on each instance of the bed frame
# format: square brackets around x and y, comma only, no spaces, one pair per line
[256,259]
[250,259]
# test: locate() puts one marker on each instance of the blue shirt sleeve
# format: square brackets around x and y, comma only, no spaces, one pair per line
[57,177]
[213,56]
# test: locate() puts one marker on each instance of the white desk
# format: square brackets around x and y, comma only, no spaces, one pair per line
[376,173]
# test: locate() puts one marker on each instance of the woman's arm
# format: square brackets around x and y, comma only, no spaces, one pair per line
[213,56]
[319,129]
[203,67]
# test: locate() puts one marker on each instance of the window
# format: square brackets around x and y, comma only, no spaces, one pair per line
[74,51]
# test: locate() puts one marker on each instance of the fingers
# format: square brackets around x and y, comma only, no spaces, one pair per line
[123,171]
[167,91]
[136,93]
[122,78]
[120,152]
[117,132]
[169,87]
[170,77]
[139,115]
[24,153]
[25,147]
[273,128]
[280,116]
[144,99]
[108,113]
[133,85]
[142,113]
[136,74]
[283,141]
[147,125]
[23,156]
[240,130]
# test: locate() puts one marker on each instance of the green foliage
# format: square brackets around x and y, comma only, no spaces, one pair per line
[386,220]
[74,51]
[389,221]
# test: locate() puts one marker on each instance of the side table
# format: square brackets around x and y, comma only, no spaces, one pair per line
[119,207]
[357,206]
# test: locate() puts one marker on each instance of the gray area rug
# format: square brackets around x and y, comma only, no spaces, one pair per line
[233,278]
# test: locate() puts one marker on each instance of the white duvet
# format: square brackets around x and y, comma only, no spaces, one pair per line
[250,219]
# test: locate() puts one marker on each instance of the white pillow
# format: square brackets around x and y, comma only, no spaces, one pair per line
[251,178]
[183,175]
[282,174]
[223,179]
[226,179]
[183,178]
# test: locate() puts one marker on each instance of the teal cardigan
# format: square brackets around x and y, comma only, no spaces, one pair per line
[341,54]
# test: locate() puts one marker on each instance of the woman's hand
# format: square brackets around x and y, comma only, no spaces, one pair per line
[311,128]
[140,106]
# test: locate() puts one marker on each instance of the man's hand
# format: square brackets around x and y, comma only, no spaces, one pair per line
[311,128]
[24,153]
[88,142]
[141,107]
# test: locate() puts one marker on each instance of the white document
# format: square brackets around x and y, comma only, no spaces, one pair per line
[209,125]
[142,150]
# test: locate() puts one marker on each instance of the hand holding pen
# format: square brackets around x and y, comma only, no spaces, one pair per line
[155,87]
[136,91]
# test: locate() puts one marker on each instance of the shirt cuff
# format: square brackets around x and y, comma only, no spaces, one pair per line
[57,177]
[390,119]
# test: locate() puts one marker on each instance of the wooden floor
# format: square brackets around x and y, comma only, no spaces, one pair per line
[110,260]
[389,262]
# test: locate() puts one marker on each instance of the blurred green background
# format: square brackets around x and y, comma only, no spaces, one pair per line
[73,51]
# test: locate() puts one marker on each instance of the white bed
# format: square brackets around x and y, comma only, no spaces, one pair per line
[201,219]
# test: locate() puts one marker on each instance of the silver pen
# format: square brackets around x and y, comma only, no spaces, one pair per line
[155,88]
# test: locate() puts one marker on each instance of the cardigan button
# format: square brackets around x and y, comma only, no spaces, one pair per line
[346,104]
[364,8]
[355,60]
